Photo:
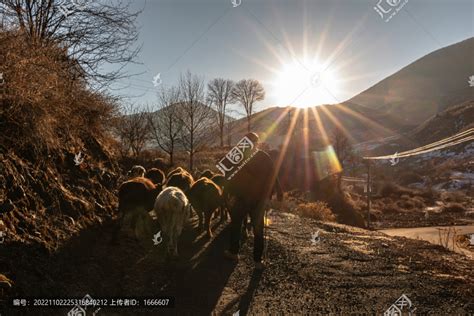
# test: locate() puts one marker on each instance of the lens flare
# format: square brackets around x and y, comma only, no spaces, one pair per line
[326,162]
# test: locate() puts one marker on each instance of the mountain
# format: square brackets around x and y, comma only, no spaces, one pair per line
[395,106]
[359,122]
[455,119]
[205,118]
[425,87]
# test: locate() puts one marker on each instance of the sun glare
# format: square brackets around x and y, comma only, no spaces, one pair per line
[305,84]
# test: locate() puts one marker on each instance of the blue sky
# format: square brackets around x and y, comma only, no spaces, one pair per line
[287,43]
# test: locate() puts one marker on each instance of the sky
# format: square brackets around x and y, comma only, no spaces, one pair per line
[304,52]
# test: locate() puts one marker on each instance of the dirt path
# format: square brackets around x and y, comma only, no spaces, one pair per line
[432,234]
[347,271]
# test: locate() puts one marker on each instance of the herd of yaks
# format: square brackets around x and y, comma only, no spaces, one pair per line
[171,198]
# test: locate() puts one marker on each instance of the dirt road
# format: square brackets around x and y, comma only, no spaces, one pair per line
[345,270]
[434,234]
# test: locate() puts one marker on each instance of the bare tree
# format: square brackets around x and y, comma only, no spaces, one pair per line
[132,128]
[219,94]
[92,33]
[164,122]
[247,92]
[231,124]
[194,115]
[343,149]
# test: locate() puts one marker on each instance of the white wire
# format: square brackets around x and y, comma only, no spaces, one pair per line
[442,141]
[421,150]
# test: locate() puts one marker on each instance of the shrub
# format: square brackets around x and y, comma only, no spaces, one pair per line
[430,195]
[316,210]
[345,211]
[388,189]
[408,177]
[419,202]
[456,196]
[48,103]
[406,204]
[392,209]
[392,189]
[454,208]
[287,205]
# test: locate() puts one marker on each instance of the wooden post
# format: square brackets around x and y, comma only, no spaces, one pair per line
[368,194]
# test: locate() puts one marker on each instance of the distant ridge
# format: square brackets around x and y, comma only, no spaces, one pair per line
[425,87]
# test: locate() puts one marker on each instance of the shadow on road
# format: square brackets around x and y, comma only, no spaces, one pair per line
[198,289]
[248,296]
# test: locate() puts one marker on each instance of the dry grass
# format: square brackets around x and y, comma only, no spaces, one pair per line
[391,189]
[454,208]
[408,177]
[447,236]
[406,204]
[316,210]
[454,197]
[47,104]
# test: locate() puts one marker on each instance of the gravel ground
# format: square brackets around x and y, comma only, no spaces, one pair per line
[344,271]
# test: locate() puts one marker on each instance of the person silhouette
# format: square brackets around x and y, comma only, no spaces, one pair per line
[249,190]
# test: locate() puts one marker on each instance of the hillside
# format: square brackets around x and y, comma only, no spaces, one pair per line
[454,119]
[426,86]
[396,105]
[211,113]
[206,125]
[360,123]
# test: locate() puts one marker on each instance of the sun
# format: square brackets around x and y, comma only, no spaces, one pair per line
[304,84]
